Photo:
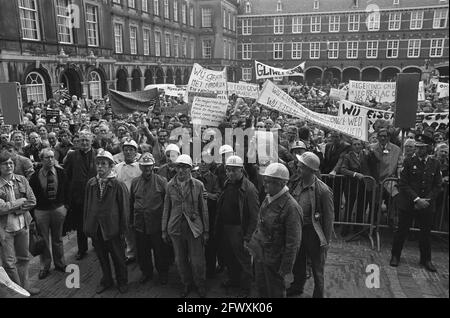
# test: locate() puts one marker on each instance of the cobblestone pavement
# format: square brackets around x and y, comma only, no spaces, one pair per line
[345,275]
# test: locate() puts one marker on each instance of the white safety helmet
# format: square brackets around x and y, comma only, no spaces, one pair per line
[277,170]
[234,161]
[130,142]
[172,147]
[310,160]
[225,149]
[298,145]
[105,154]
[184,159]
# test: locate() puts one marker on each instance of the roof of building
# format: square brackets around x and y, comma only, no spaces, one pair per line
[269,7]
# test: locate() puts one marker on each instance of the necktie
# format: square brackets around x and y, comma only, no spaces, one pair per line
[51,186]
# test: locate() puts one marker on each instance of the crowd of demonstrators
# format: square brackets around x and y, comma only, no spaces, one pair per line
[123,181]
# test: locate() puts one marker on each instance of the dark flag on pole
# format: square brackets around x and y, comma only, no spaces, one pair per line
[125,103]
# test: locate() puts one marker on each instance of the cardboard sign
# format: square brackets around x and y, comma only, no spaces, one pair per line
[176,92]
[266,71]
[245,90]
[203,80]
[338,94]
[442,89]
[208,111]
[421,93]
[275,98]
[52,117]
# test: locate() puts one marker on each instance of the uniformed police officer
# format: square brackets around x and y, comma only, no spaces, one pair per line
[419,185]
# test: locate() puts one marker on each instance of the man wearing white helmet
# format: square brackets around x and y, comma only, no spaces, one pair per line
[126,171]
[237,212]
[185,220]
[168,170]
[298,147]
[316,200]
[225,151]
[275,243]
[106,212]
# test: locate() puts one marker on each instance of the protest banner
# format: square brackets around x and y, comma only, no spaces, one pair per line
[382,92]
[245,90]
[52,117]
[203,80]
[275,98]
[266,71]
[442,89]
[435,120]
[208,111]
[175,92]
[363,92]
[338,94]
[128,102]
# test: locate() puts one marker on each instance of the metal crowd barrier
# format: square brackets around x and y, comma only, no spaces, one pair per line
[354,203]
[387,212]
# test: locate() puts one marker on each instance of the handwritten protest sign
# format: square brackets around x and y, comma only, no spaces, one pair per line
[442,89]
[203,80]
[347,108]
[245,90]
[363,92]
[208,111]
[275,98]
[175,92]
[338,94]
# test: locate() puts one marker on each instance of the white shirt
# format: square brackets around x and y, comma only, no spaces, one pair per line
[127,172]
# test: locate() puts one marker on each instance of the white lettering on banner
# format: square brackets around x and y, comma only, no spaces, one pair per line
[275,98]
[266,71]
[203,80]
[435,120]
[338,94]
[208,111]
[442,89]
[245,90]
[174,91]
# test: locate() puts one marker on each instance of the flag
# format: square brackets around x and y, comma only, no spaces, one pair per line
[62,93]
[125,103]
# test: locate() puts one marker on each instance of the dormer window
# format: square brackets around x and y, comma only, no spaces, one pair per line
[316,4]
[279,6]
[355,3]
[396,2]
[248,7]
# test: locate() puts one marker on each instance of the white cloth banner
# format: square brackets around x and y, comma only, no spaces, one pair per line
[363,92]
[203,80]
[338,94]
[383,92]
[208,111]
[175,92]
[245,90]
[266,71]
[275,98]
[442,89]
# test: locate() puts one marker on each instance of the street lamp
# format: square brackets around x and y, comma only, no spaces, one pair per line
[92,58]
[62,57]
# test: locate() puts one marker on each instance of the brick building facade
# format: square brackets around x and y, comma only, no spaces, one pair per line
[344,39]
[93,45]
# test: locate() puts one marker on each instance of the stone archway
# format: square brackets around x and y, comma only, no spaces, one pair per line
[159,76]
[122,82]
[169,76]
[136,80]
[333,75]
[351,73]
[72,81]
[389,74]
[370,74]
[148,77]
[313,75]
[178,79]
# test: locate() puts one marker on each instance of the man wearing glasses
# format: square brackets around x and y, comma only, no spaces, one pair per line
[50,185]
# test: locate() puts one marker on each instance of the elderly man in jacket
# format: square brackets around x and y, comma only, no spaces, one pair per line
[106,209]
[147,204]
[316,200]
[276,241]
[237,213]
[185,220]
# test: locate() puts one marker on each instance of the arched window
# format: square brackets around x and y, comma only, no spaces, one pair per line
[35,86]
[95,85]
